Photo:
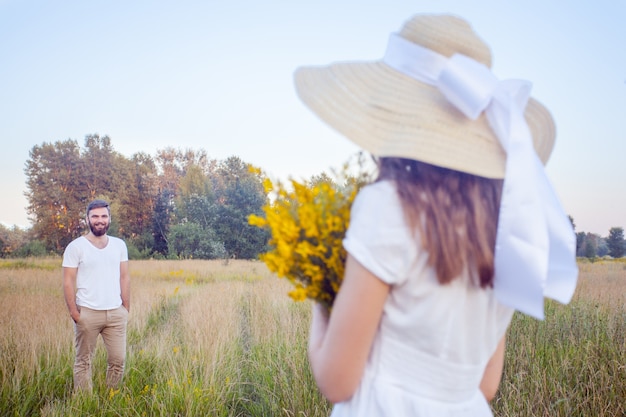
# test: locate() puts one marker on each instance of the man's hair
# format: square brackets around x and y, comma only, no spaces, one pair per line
[98,204]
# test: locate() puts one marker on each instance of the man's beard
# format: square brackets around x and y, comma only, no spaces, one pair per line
[99,232]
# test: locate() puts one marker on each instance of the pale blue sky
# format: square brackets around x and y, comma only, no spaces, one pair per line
[218,76]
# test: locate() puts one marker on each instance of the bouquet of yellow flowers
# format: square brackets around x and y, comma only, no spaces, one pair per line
[307,224]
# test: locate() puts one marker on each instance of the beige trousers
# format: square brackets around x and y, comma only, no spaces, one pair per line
[111,324]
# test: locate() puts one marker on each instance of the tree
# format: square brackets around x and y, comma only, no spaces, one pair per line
[137,199]
[171,165]
[196,200]
[601,248]
[190,240]
[590,246]
[239,192]
[62,178]
[615,242]
[571,220]
[12,239]
[56,192]
[580,241]
[33,248]
[202,204]
[99,167]
[163,208]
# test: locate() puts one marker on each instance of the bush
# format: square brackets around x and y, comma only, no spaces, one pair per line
[134,252]
[34,248]
[191,241]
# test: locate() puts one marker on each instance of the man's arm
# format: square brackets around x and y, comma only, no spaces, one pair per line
[69,291]
[125,284]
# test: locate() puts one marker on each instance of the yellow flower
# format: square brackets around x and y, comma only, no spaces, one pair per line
[305,249]
[267,185]
[254,170]
[298,294]
[307,223]
[113,392]
[255,220]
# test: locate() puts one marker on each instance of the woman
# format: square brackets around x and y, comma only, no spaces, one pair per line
[441,250]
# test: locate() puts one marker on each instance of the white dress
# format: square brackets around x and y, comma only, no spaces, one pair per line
[434,340]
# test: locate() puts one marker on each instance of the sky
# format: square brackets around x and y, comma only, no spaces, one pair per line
[218,76]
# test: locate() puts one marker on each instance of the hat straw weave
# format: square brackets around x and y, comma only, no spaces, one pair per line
[390,114]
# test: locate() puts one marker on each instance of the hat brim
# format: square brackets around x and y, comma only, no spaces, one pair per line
[390,114]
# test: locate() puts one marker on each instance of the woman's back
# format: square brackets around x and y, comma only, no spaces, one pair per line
[434,340]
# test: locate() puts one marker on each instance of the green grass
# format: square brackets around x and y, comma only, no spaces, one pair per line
[574,362]
[50,264]
[207,339]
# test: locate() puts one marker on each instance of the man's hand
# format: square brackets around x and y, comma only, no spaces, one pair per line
[75,314]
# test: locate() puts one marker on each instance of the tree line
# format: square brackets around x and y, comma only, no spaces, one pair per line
[175,204]
[592,246]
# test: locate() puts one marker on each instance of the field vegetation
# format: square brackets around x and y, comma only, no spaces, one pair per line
[215,338]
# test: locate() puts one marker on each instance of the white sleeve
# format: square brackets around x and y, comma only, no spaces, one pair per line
[378,235]
[71,255]
[123,251]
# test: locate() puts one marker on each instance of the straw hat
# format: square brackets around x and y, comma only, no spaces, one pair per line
[390,114]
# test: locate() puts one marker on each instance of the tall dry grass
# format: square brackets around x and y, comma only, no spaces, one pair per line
[574,362]
[204,338]
[207,338]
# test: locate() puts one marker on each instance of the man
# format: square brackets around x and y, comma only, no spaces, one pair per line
[96,285]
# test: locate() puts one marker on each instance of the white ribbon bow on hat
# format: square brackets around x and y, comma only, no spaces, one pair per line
[535,254]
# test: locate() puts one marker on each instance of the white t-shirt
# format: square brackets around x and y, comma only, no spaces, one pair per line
[98,276]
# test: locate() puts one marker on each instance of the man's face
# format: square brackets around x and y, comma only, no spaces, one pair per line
[99,221]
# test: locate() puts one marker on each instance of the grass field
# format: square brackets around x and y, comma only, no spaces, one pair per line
[208,338]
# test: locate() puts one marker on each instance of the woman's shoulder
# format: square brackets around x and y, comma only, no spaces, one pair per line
[379,189]
[380,196]
[378,204]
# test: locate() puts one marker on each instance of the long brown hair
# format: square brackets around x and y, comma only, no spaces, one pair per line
[456,214]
